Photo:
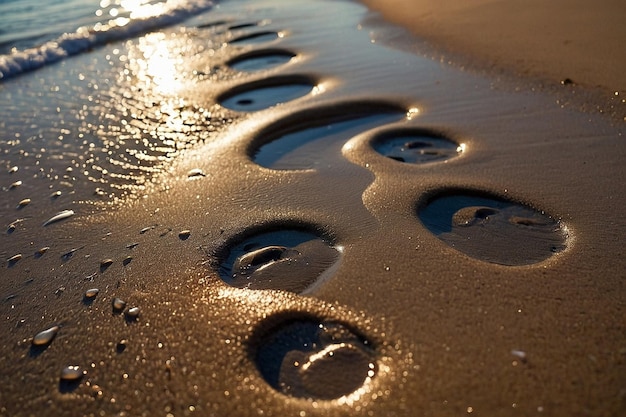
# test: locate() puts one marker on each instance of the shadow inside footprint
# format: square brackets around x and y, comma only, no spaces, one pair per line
[308,358]
[255,38]
[493,229]
[416,146]
[261,60]
[268,92]
[290,260]
[311,138]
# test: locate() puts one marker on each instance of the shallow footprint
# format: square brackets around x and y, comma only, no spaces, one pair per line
[290,260]
[416,146]
[303,140]
[255,38]
[493,229]
[309,358]
[261,60]
[258,95]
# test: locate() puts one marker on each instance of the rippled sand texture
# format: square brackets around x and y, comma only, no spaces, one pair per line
[269,211]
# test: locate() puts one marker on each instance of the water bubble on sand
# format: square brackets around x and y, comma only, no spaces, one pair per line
[267,92]
[255,38]
[118,305]
[493,229]
[320,360]
[45,337]
[415,146]
[258,60]
[288,259]
[62,215]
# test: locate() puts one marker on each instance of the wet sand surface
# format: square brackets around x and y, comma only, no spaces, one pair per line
[447,245]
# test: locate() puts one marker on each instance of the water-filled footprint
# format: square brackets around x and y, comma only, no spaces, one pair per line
[310,358]
[493,229]
[416,146]
[255,38]
[313,137]
[261,60]
[268,92]
[290,260]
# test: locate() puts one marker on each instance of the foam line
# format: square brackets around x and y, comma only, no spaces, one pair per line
[85,38]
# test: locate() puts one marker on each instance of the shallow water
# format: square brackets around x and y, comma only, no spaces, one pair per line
[164,181]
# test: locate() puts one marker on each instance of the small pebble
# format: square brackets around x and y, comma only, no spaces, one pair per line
[118,304]
[59,216]
[105,263]
[121,346]
[184,235]
[13,169]
[13,259]
[127,260]
[195,173]
[132,313]
[15,184]
[23,203]
[145,229]
[91,293]
[55,194]
[69,253]
[520,354]
[72,373]
[45,337]
[41,251]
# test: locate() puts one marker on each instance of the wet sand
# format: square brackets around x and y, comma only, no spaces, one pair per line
[466,239]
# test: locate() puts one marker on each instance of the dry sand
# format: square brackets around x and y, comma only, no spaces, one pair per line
[473,322]
[578,40]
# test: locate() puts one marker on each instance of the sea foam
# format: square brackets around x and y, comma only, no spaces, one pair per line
[85,38]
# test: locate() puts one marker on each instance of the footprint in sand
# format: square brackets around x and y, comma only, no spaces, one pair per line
[259,60]
[415,145]
[493,229]
[312,137]
[255,38]
[278,258]
[267,92]
[307,357]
